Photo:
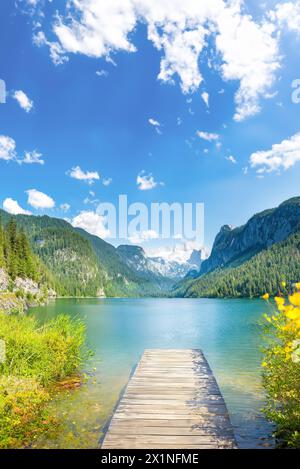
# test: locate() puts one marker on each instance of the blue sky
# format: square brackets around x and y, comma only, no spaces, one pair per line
[74,117]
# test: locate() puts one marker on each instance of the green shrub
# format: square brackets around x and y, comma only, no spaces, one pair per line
[36,357]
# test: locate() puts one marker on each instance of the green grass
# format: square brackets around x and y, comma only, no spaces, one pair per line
[36,358]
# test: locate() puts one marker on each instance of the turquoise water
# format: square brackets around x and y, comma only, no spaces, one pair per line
[120,329]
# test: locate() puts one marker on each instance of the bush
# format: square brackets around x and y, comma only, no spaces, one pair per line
[281,365]
[48,353]
[36,357]
[22,410]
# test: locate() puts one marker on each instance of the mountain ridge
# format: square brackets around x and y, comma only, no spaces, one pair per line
[251,259]
[83,264]
[261,231]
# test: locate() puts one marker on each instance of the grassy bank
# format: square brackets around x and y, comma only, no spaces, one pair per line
[36,357]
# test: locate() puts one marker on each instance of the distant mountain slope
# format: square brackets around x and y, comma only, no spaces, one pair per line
[252,259]
[163,271]
[260,232]
[263,273]
[121,277]
[137,260]
[82,264]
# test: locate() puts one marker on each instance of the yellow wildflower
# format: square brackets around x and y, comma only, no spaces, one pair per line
[264,364]
[295,299]
[266,296]
[279,300]
[283,284]
[297,285]
[293,314]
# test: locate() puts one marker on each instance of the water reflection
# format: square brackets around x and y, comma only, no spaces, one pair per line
[120,329]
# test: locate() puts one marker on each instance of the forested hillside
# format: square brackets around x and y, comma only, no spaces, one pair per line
[233,246]
[68,257]
[262,273]
[120,279]
[80,264]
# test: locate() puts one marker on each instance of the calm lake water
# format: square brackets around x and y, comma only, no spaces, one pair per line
[120,329]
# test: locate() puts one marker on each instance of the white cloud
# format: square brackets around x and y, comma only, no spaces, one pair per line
[88,176]
[205,97]
[106,181]
[8,152]
[179,252]
[101,73]
[87,200]
[56,50]
[32,2]
[231,159]
[143,236]
[65,207]
[39,200]
[7,148]
[12,206]
[156,125]
[32,157]
[181,32]
[209,137]
[102,26]
[146,181]
[283,155]
[23,100]
[154,122]
[92,223]
[287,15]
[245,46]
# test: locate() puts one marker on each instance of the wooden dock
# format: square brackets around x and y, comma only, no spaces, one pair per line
[171,401]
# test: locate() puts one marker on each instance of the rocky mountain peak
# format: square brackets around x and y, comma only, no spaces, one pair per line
[234,245]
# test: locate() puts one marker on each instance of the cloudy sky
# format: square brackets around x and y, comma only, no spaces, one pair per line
[162,100]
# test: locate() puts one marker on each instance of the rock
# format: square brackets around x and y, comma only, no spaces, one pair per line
[195,260]
[26,285]
[10,304]
[101,293]
[4,280]
[52,293]
[235,245]
[158,268]
[25,292]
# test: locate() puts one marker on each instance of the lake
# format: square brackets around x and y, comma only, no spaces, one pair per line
[119,330]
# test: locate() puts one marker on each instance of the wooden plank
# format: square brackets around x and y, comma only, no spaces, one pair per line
[216,422]
[138,430]
[177,440]
[171,401]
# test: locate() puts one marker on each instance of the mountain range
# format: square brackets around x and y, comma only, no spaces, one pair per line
[81,264]
[251,259]
[244,261]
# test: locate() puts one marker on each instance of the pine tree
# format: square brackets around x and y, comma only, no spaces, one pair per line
[2,245]
[12,251]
